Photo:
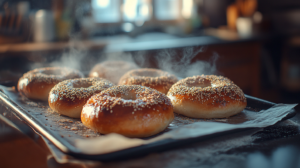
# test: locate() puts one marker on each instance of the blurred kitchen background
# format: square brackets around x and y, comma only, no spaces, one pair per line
[255,43]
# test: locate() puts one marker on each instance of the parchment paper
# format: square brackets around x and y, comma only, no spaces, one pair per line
[114,142]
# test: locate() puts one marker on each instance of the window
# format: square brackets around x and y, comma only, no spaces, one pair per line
[136,10]
[166,9]
[112,11]
[106,11]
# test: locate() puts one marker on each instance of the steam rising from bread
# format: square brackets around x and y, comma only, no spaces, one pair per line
[184,67]
[178,63]
[71,58]
[175,61]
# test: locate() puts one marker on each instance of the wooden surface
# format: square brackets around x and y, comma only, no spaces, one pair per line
[18,150]
[49,46]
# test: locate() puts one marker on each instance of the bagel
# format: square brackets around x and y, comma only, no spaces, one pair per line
[153,78]
[112,70]
[207,96]
[133,111]
[37,83]
[68,97]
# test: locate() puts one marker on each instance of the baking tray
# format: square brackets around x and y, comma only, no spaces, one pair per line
[62,130]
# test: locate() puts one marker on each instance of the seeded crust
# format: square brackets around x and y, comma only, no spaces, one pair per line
[217,97]
[37,83]
[112,70]
[108,112]
[67,100]
[153,78]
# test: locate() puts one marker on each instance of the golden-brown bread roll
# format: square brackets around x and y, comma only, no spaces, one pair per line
[69,96]
[112,70]
[153,78]
[37,83]
[133,111]
[207,96]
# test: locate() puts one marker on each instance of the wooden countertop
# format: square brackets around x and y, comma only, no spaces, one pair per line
[49,46]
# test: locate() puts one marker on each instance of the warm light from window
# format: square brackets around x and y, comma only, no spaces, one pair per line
[187,8]
[144,8]
[102,3]
[140,11]
[130,9]
[136,10]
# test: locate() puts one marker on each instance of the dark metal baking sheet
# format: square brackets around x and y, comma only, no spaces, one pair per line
[62,130]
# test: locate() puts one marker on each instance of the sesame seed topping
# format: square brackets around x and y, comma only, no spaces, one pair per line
[142,97]
[205,87]
[51,75]
[148,77]
[70,89]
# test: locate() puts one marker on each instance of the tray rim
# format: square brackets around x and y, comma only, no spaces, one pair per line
[67,148]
